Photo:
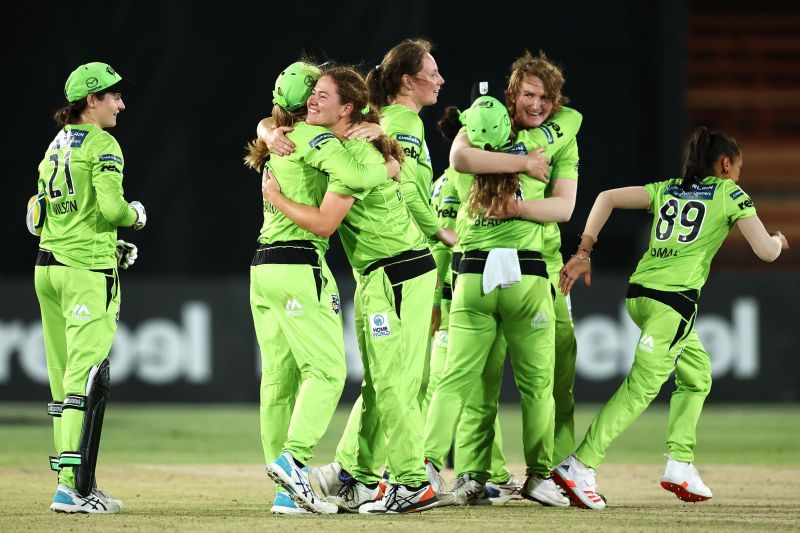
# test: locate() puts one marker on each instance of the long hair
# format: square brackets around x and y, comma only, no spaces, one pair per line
[385,80]
[352,89]
[702,151]
[543,68]
[490,192]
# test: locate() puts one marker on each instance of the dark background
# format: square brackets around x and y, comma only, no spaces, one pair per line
[205,75]
[643,73]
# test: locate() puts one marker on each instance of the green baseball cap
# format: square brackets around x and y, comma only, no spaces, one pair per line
[90,78]
[487,122]
[294,84]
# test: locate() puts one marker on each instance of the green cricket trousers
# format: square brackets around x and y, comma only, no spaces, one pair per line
[668,342]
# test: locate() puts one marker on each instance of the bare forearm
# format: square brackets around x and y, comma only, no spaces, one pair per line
[470,160]
[307,217]
[552,209]
[764,245]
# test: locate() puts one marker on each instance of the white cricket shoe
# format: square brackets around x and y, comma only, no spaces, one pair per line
[288,474]
[544,491]
[684,481]
[353,494]
[329,478]
[578,480]
[439,485]
[284,504]
[467,491]
[501,493]
[401,499]
[67,500]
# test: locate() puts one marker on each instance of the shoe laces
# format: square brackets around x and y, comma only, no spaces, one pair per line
[348,489]
[461,482]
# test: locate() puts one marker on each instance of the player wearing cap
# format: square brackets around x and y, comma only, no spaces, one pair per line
[293,295]
[692,216]
[534,99]
[76,280]
[501,251]
[395,279]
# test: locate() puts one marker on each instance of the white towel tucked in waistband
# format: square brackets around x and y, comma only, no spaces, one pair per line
[502,268]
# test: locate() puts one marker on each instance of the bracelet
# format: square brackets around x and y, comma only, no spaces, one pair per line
[587,259]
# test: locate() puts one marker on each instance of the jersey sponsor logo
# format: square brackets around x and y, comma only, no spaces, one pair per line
[663,252]
[539,321]
[76,138]
[441,338]
[555,127]
[736,194]
[403,138]
[65,207]
[293,307]
[81,312]
[547,133]
[447,213]
[451,200]
[745,204]
[110,168]
[111,157]
[336,305]
[411,152]
[318,141]
[518,149]
[379,324]
[697,191]
[646,343]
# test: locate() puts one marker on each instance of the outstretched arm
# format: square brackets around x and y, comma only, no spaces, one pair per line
[580,262]
[767,247]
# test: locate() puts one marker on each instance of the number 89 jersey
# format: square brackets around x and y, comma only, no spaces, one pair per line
[688,229]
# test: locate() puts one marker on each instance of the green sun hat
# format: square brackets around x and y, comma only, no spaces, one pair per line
[294,85]
[487,122]
[90,78]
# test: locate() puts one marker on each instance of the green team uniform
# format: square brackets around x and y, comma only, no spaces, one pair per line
[688,229]
[563,166]
[404,125]
[468,351]
[76,272]
[395,280]
[295,301]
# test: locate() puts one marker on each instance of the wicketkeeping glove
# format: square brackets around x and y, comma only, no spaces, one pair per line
[126,254]
[141,216]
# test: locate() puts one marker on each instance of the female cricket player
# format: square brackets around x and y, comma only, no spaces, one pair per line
[293,295]
[395,281]
[76,280]
[692,216]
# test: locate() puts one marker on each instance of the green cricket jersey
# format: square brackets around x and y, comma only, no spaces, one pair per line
[557,136]
[688,229]
[445,199]
[81,174]
[404,125]
[378,225]
[304,174]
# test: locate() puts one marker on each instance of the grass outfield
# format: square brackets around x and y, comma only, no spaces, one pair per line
[200,468]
